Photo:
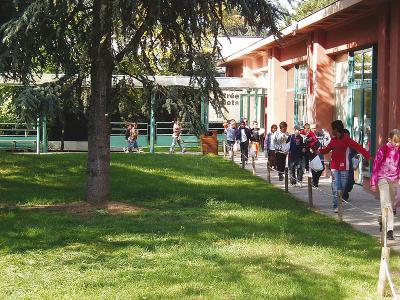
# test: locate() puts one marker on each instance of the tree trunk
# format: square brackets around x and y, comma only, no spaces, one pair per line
[97,187]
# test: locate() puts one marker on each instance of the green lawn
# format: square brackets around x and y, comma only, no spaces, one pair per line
[207,230]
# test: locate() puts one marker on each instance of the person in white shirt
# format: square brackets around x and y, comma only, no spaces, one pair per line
[269,146]
[243,135]
[176,138]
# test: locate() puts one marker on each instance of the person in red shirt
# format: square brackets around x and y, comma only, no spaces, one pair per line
[339,145]
[311,141]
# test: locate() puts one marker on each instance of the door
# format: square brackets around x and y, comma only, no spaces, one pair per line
[362,105]
[361,128]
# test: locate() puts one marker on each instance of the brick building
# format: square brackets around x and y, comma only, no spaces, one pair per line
[342,62]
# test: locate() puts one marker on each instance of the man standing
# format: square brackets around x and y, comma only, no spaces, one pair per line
[243,135]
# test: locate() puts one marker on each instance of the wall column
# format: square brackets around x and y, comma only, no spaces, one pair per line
[277,104]
[394,92]
[322,90]
[382,101]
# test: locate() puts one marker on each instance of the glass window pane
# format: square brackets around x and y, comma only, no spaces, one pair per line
[368,65]
[367,126]
[358,66]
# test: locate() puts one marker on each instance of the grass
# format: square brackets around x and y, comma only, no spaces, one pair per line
[207,230]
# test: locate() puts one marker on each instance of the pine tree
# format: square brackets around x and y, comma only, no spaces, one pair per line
[96,38]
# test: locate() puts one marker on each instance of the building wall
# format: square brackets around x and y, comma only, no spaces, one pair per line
[326,53]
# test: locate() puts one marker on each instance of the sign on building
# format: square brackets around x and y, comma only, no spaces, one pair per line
[232,104]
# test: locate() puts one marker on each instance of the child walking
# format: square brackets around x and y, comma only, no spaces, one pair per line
[386,176]
[340,145]
[281,148]
[297,155]
[269,146]
[176,137]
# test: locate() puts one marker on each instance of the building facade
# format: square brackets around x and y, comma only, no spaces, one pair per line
[342,62]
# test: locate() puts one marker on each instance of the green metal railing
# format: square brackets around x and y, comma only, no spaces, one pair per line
[19,136]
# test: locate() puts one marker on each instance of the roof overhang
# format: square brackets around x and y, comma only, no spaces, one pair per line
[326,18]
[224,82]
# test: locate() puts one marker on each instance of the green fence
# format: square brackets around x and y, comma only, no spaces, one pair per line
[164,134]
[17,136]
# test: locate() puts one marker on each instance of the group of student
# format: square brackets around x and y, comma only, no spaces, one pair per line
[132,135]
[246,137]
[308,144]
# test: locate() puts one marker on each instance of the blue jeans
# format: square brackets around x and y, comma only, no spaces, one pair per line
[132,145]
[339,182]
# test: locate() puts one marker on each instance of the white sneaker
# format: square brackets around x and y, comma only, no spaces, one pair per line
[336,210]
[299,184]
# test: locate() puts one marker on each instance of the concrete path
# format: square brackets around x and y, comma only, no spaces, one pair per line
[361,212]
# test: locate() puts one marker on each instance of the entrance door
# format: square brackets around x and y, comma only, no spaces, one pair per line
[361,131]
[362,105]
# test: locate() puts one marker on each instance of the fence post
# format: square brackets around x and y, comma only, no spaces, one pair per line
[253,164]
[44,134]
[382,279]
[243,159]
[38,135]
[340,203]
[224,147]
[268,173]
[310,198]
[286,179]
[152,119]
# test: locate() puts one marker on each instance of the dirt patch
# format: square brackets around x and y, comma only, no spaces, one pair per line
[84,208]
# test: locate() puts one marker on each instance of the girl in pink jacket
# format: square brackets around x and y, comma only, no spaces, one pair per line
[386,176]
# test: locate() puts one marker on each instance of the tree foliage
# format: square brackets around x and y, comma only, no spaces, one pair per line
[308,7]
[80,39]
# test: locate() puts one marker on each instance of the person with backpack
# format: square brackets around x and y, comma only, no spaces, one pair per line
[339,145]
[386,177]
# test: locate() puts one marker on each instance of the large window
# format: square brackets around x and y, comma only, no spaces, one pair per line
[341,84]
[300,97]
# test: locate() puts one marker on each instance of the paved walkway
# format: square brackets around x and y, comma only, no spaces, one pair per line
[361,212]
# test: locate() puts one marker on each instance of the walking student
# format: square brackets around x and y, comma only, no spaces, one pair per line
[269,146]
[339,145]
[243,135]
[281,148]
[321,142]
[131,135]
[255,134]
[230,136]
[297,155]
[351,180]
[311,143]
[386,177]
[176,137]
